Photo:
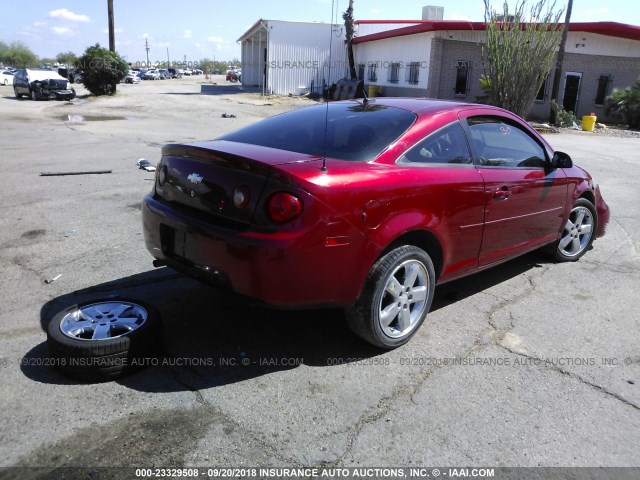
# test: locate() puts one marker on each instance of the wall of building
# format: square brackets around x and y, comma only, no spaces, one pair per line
[600,55]
[403,51]
[304,56]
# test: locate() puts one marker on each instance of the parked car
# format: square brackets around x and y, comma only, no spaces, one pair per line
[234,75]
[175,73]
[132,77]
[367,205]
[42,84]
[151,75]
[164,74]
[6,77]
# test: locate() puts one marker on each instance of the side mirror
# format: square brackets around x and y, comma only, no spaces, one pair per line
[561,160]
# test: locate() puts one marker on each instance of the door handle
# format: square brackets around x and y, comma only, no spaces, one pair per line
[502,193]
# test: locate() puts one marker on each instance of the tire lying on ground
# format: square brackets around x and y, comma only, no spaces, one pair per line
[103,340]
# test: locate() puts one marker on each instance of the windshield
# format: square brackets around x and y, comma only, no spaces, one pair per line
[346,131]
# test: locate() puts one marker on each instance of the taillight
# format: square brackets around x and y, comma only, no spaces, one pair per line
[241,197]
[161,174]
[284,206]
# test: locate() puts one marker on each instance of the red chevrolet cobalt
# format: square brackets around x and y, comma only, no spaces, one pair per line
[367,205]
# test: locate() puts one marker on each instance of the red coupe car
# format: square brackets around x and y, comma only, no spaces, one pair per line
[367,205]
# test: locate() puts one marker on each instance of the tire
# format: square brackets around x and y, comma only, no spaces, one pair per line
[403,280]
[15,92]
[578,233]
[34,96]
[126,344]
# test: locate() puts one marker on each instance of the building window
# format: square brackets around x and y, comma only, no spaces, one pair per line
[413,74]
[462,77]
[604,82]
[542,93]
[394,73]
[361,71]
[373,74]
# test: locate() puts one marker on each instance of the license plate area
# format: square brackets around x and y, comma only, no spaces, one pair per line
[178,244]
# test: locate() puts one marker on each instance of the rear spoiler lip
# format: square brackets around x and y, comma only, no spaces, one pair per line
[256,154]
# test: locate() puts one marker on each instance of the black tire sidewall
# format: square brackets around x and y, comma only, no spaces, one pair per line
[105,359]
[363,317]
[561,257]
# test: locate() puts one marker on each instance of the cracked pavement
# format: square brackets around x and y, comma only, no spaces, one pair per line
[530,363]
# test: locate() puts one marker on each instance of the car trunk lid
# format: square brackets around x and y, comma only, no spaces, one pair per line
[205,176]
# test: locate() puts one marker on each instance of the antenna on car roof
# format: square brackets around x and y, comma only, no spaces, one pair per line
[326,114]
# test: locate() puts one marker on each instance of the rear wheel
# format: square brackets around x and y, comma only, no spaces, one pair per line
[396,298]
[578,233]
[34,95]
[15,92]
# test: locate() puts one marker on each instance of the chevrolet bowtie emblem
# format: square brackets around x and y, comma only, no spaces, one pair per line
[194,178]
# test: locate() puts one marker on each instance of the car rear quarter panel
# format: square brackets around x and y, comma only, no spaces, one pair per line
[385,202]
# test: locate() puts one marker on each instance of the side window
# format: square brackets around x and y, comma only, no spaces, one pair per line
[447,145]
[503,144]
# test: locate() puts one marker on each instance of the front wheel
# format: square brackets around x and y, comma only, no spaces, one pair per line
[396,298]
[578,233]
[34,95]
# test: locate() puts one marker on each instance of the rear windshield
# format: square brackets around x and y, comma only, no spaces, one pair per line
[347,131]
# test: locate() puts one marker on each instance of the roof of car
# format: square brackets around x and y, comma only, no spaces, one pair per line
[43,74]
[424,105]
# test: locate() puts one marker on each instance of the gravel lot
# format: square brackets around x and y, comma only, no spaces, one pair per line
[548,355]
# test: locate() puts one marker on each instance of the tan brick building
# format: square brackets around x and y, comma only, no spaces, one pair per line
[443,59]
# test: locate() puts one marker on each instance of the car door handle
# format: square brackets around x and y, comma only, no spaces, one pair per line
[502,193]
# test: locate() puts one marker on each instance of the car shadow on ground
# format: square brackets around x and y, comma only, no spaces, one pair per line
[212,337]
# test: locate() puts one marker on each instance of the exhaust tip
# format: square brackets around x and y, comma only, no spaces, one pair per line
[159,263]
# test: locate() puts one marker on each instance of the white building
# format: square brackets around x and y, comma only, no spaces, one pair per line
[284,57]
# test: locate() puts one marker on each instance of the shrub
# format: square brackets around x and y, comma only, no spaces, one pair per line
[101,70]
[563,118]
[626,103]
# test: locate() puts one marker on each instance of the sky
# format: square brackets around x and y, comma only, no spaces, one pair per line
[195,29]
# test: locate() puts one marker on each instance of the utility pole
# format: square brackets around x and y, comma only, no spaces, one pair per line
[146,47]
[555,89]
[112,36]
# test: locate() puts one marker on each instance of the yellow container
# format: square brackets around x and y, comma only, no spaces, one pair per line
[374,90]
[588,122]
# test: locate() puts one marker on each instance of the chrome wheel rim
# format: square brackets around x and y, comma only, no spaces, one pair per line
[103,320]
[404,299]
[577,232]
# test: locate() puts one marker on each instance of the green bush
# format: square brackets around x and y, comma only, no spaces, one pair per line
[626,103]
[101,70]
[563,118]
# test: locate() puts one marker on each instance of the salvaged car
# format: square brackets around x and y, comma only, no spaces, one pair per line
[367,205]
[42,84]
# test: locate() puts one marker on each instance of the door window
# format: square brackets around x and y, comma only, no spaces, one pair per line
[447,145]
[499,143]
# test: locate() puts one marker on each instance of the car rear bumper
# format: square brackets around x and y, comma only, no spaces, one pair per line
[292,269]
